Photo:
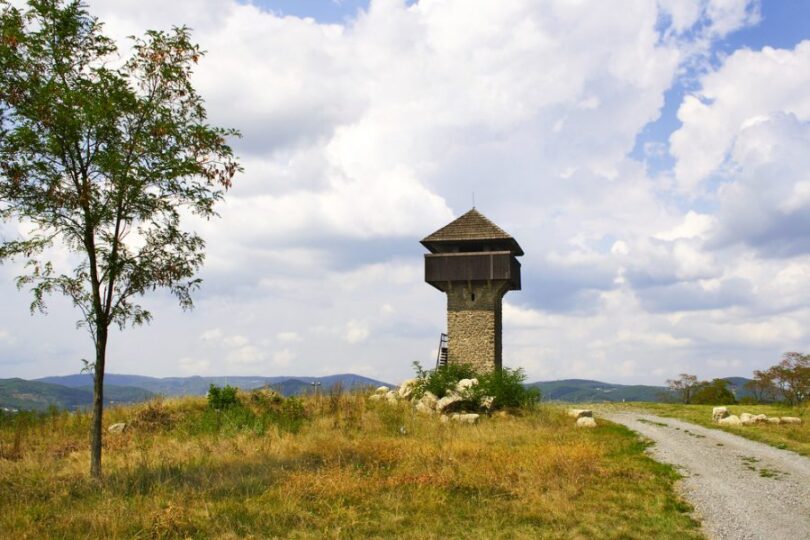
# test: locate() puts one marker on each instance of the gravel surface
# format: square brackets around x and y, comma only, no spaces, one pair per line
[740,489]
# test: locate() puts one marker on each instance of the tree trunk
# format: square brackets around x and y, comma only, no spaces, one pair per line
[96,428]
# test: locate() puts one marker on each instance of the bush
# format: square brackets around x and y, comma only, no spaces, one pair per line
[441,381]
[221,398]
[714,393]
[153,416]
[290,415]
[506,386]
[258,411]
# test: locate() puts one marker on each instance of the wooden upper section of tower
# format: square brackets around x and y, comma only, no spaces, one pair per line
[471,249]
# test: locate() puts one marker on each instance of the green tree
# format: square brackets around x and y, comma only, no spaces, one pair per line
[762,387]
[684,386]
[791,377]
[715,392]
[101,158]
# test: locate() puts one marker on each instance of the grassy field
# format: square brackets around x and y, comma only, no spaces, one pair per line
[791,437]
[341,469]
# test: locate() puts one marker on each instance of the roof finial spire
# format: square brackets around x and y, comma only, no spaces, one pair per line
[473,197]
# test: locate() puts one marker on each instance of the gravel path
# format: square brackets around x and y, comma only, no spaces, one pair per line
[741,489]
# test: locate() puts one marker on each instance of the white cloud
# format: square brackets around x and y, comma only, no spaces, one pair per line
[693,225]
[212,335]
[194,366]
[283,358]
[748,87]
[245,355]
[288,337]
[235,341]
[360,138]
[766,206]
[356,331]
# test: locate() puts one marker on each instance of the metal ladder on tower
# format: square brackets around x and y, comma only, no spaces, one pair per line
[441,356]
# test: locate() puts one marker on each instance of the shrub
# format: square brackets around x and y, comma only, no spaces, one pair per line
[441,381]
[154,416]
[714,393]
[508,388]
[261,410]
[222,398]
[264,397]
[290,415]
[505,385]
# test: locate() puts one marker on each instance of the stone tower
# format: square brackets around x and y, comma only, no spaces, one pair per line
[474,262]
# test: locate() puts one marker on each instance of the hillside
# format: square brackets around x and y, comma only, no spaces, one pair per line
[580,390]
[586,391]
[198,386]
[72,391]
[35,395]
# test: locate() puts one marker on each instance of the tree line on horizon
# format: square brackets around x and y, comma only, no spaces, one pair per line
[786,382]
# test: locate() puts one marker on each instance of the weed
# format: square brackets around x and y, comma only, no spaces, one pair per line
[771,473]
[652,422]
[153,416]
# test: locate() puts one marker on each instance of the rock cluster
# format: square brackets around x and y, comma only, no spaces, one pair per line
[584,417]
[383,393]
[723,417]
[456,406]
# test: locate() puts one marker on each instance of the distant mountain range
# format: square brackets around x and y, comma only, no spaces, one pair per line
[76,391]
[19,394]
[585,391]
[198,386]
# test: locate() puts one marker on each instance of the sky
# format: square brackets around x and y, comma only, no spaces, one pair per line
[653,162]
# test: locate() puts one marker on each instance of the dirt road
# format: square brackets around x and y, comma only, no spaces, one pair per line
[741,489]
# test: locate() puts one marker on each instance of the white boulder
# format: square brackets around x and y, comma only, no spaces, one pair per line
[465,384]
[747,419]
[580,413]
[791,420]
[391,397]
[465,418]
[586,422]
[429,400]
[381,390]
[407,387]
[446,401]
[376,397]
[488,402]
[719,413]
[761,418]
[731,420]
[117,428]
[774,420]
[421,408]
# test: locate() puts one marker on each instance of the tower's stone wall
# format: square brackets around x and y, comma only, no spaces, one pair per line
[474,315]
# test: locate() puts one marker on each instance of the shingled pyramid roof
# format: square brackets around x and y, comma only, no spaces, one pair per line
[471,227]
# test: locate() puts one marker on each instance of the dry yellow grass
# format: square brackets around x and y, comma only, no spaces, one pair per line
[352,471]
